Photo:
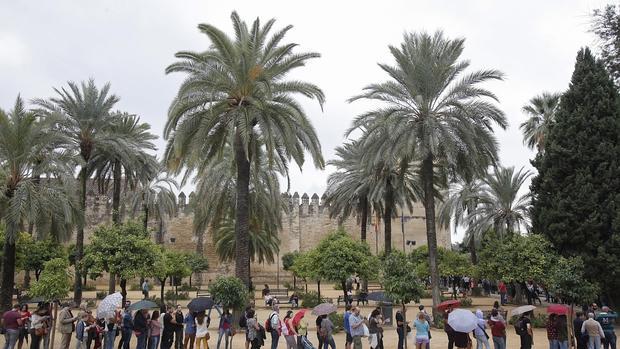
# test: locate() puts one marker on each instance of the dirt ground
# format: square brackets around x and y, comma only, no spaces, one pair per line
[439,339]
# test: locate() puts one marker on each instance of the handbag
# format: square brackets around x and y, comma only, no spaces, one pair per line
[366,331]
[41,331]
[408,328]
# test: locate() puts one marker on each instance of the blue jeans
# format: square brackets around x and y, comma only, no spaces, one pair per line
[110,336]
[10,338]
[499,342]
[610,340]
[553,344]
[126,338]
[594,342]
[141,341]
[329,341]
[223,333]
[401,338]
[563,344]
[275,337]
[154,342]
[482,341]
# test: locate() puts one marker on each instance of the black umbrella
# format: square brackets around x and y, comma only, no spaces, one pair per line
[143,304]
[378,297]
[200,304]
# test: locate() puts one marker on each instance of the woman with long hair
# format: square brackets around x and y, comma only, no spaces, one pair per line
[291,335]
[154,329]
[24,325]
[202,331]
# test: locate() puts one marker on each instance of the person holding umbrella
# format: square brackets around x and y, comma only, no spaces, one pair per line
[140,327]
[202,331]
[290,335]
[301,327]
[524,330]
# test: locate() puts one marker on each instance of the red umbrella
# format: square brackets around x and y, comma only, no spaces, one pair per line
[453,303]
[297,317]
[559,309]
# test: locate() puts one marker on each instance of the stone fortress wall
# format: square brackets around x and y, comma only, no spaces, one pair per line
[304,225]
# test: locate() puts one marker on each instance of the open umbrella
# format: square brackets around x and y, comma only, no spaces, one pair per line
[200,304]
[559,309]
[522,309]
[143,304]
[378,297]
[462,320]
[324,309]
[297,317]
[453,303]
[109,304]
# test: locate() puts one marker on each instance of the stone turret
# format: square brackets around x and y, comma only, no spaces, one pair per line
[295,200]
[182,201]
[323,204]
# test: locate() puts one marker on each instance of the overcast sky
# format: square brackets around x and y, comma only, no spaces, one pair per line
[43,44]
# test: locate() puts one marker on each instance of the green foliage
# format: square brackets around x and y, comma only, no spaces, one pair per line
[569,282]
[338,257]
[55,281]
[170,295]
[125,250]
[306,265]
[186,288]
[310,299]
[171,264]
[38,252]
[338,321]
[288,260]
[451,263]
[101,294]
[197,263]
[517,258]
[229,291]
[576,194]
[606,25]
[400,279]
[466,302]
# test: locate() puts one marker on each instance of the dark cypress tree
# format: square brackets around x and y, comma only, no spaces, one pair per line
[576,195]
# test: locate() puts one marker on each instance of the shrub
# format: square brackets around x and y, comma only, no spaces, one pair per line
[338,320]
[337,287]
[91,303]
[310,299]
[101,294]
[426,294]
[89,287]
[538,321]
[138,287]
[179,296]
[185,287]
[466,302]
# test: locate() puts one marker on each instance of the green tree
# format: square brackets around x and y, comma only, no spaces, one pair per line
[307,267]
[450,263]
[606,25]
[55,281]
[288,261]
[570,283]
[49,204]
[576,194]
[229,292]
[172,264]
[541,115]
[402,284]
[85,120]
[438,114]
[339,257]
[125,250]
[197,264]
[156,197]
[38,253]
[237,94]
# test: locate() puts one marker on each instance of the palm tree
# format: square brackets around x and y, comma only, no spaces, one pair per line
[126,161]
[348,188]
[264,242]
[156,197]
[500,207]
[237,92]
[460,201]
[23,197]
[541,111]
[85,120]
[441,116]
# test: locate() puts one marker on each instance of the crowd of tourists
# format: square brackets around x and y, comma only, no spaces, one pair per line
[593,329]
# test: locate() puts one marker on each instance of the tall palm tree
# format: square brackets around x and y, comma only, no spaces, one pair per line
[85,119]
[541,112]
[501,208]
[460,201]
[156,197]
[127,161]
[348,188]
[48,203]
[444,117]
[236,92]
[264,242]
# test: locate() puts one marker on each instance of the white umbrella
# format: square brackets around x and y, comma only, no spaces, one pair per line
[462,320]
[109,304]
[522,309]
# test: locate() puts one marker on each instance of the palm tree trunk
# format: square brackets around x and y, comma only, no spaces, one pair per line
[431,233]
[242,213]
[145,222]
[8,273]
[387,216]
[160,232]
[364,219]
[79,240]
[200,252]
[472,251]
[116,193]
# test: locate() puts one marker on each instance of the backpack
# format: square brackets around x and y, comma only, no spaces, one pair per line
[268,323]
[243,321]
[519,327]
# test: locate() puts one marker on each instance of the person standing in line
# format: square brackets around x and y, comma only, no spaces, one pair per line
[202,332]
[448,329]
[290,335]
[110,331]
[327,329]
[140,328]
[154,329]
[178,328]
[252,328]
[498,330]
[356,322]
[275,326]
[302,331]
[67,325]
[170,323]
[428,318]
[581,339]
[422,330]
[525,331]
[317,322]
[400,330]
[607,319]
[552,331]
[224,328]
[190,330]
[243,324]
[562,332]
[347,327]
[10,323]
[38,327]
[482,338]
[24,326]
[126,328]
[594,331]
